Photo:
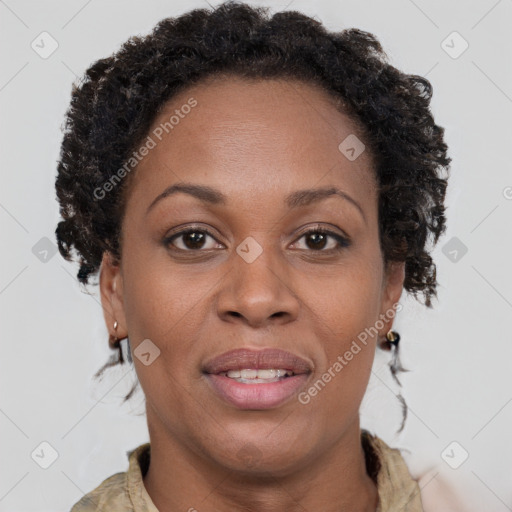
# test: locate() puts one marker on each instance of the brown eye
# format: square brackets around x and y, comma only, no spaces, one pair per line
[318,239]
[194,240]
[191,239]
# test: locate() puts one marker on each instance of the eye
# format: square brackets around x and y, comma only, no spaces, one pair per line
[192,239]
[318,242]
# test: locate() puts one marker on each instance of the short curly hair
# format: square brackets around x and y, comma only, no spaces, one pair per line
[113,107]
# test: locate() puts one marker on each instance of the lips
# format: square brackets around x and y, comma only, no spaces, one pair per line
[240,359]
[256,394]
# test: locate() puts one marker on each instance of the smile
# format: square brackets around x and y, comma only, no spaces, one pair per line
[256,379]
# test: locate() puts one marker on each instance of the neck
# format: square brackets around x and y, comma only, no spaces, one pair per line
[182,479]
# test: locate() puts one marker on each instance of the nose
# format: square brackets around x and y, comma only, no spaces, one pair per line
[259,293]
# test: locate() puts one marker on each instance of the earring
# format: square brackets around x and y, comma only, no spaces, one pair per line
[114,341]
[393,337]
[395,366]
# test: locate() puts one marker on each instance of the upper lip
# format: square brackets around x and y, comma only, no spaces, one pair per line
[243,358]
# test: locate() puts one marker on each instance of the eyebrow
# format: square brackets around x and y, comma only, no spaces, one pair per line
[294,200]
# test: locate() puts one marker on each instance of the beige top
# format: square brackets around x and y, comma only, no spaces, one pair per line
[124,492]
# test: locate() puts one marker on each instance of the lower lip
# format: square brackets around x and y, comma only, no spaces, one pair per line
[256,396]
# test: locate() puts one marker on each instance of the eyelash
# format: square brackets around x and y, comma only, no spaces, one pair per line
[343,242]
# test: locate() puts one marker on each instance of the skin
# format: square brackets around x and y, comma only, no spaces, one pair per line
[256,142]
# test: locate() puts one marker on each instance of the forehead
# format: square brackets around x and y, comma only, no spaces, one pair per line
[262,134]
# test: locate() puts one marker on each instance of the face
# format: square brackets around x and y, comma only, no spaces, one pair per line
[200,276]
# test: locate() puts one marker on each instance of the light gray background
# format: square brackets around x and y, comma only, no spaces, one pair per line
[460,353]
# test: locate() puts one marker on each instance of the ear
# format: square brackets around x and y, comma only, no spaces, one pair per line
[111,289]
[391,292]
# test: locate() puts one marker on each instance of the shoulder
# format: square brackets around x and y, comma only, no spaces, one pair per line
[111,492]
[398,490]
[115,493]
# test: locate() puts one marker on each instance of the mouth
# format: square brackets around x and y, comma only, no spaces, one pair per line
[262,379]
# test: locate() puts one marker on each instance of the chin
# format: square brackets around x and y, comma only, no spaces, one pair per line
[261,454]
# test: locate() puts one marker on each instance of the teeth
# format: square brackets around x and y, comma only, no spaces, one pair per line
[251,373]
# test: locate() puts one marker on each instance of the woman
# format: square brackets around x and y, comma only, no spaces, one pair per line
[255,193]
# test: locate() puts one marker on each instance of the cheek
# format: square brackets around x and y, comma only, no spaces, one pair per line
[350,299]
[347,310]
[160,297]
[166,304]
[348,343]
